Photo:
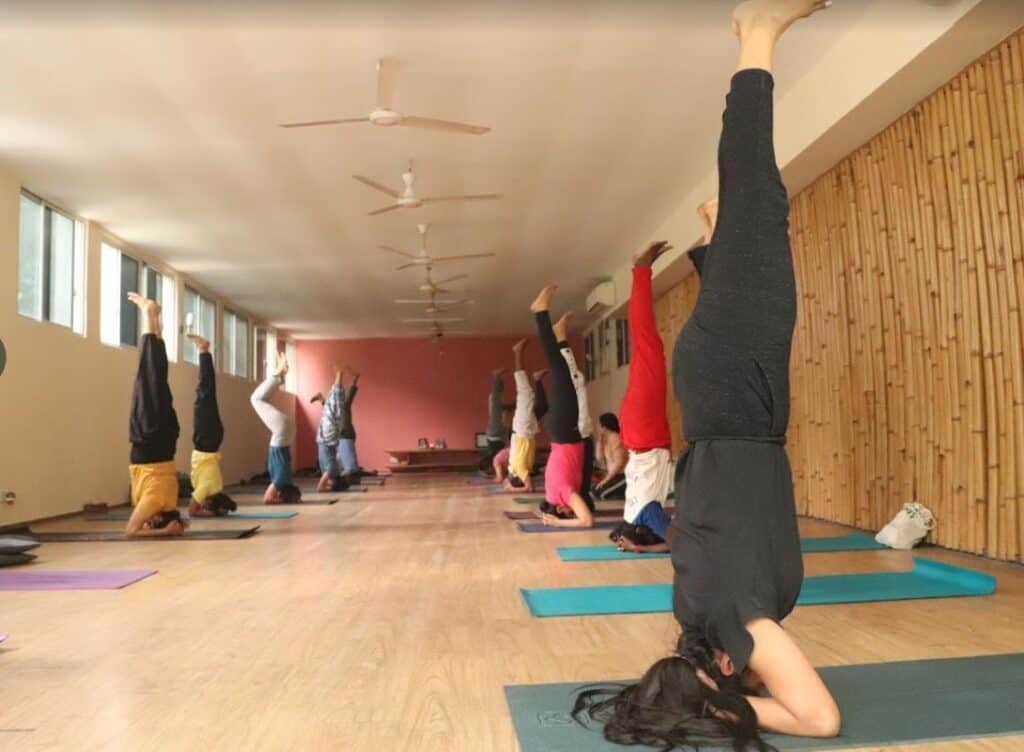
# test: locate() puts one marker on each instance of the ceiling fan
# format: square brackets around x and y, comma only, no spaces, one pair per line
[425,259]
[435,288]
[433,305]
[384,115]
[408,199]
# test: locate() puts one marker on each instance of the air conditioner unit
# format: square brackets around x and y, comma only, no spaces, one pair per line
[601,297]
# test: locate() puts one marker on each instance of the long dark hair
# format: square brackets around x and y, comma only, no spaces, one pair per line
[671,707]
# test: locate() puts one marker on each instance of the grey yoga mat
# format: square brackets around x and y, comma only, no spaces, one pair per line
[881,704]
[267,515]
[114,536]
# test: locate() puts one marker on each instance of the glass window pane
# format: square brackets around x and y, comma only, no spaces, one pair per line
[241,347]
[62,266]
[30,259]
[110,291]
[189,352]
[169,301]
[259,361]
[129,311]
[229,342]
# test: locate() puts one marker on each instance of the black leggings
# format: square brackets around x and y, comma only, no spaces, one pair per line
[562,422]
[152,425]
[540,400]
[611,488]
[208,431]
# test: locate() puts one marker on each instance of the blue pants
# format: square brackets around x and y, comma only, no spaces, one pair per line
[279,466]
[328,455]
[347,456]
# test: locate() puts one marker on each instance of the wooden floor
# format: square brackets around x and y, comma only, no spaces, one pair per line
[389,621]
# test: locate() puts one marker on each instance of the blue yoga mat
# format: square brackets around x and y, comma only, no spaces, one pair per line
[540,527]
[851,542]
[882,704]
[115,516]
[928,579]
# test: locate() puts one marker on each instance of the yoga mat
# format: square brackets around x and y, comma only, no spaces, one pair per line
[615,514]
[528,499]
[114,536]
[540,527]
[97,579]
[851,542]
[882,704]
[303,503]
[928,579]
[268,515]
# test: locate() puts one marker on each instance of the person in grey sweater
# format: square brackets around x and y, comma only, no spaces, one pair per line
[282,433]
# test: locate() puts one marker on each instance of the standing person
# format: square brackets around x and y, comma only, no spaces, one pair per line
[208,497]
[153,431]
[736,547]
[328,435]
[282,433]
[564,470]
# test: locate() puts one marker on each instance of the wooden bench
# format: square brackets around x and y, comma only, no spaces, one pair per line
[419,459]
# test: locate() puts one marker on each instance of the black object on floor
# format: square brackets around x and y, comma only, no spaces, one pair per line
[11,560]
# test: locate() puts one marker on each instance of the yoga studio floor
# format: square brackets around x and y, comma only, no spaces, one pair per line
[389,621]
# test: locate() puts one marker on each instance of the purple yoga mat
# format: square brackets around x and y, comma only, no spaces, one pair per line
[96,579]
[606,513]
[540,527]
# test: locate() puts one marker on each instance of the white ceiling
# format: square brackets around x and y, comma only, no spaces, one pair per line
[163,128]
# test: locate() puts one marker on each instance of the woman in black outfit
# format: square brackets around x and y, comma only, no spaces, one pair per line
[736,548]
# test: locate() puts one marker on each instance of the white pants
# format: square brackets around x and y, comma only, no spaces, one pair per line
[524,421]
[648,478]
[586,428]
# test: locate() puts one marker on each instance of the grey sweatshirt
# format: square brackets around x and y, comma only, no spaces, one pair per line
[282,427]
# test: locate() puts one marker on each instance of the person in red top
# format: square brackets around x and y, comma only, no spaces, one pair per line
[563,475]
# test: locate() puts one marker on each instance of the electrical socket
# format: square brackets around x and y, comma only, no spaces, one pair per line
[8,496]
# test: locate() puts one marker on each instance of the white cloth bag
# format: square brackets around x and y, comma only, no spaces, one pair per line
[909,527]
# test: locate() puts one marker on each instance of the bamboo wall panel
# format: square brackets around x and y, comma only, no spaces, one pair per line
[908,359]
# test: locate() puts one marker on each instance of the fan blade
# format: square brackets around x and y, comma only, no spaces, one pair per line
[385,82]
[456,278]
[395,250]
[432,321]
[476,197]
[435,259]
[378,186]
[443,125]
[415,302]
[406,266]
[385,209]
[335,121]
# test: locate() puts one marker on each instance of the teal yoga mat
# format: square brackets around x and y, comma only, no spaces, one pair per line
[881,703]
[928,579]
[113,516]
[528,499]
[851,542]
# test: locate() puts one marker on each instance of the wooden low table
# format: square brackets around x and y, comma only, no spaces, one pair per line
[419,460]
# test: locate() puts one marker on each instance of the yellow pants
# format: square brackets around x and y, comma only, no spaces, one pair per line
[522,456]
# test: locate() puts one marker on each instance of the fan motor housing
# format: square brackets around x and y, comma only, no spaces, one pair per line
[385,117]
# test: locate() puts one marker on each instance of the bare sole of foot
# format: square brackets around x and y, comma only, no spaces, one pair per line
[651,253]
[543,300]
[773,16]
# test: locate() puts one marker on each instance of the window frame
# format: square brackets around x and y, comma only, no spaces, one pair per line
[166,284]
[213,335]
[77,266]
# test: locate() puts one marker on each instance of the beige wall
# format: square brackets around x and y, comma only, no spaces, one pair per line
[64,398]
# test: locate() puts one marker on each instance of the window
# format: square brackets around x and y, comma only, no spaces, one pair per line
[204,323]
[236,345]
[589,371]
[291,379]
[259,352]
[51,265]
[121,274]
[622,344]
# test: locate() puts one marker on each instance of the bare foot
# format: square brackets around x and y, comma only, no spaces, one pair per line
[543,301]
[772,17]
[538,375]
[282,364]
[497,372]
[150,309]
[561,326]
[520,345]
[651,253]
[318,397]
[202,344]
[708,213]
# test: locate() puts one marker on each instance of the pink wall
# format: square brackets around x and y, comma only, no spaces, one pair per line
[408,388]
